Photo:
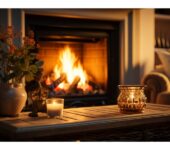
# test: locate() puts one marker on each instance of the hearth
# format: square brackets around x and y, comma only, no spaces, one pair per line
[81,58]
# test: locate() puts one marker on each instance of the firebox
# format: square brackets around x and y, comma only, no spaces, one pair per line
[81,58]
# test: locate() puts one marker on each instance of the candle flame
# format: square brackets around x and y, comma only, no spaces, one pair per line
[132,95]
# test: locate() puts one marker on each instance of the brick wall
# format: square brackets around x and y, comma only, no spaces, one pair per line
[93,57]
[50,52]
[95,60]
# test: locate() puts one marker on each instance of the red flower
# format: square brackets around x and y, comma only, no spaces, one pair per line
[29,41]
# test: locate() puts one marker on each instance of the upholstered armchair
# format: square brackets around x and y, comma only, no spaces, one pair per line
[158,81]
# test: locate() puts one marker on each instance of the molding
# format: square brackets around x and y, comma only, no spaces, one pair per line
[163,17]
[103,14]
[22,25]
[9,17]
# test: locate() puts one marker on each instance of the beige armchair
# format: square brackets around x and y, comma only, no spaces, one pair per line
[158,86]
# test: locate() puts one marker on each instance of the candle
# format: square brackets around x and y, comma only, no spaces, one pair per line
[132,97]
[55,107]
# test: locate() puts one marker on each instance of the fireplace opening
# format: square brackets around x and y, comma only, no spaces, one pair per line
[81,58]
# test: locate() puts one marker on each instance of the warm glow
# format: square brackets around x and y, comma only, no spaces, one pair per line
[131,95]
[54,103]
[71,66]
[56,71]
[48,81]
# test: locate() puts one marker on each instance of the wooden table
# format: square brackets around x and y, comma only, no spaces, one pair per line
[102,123]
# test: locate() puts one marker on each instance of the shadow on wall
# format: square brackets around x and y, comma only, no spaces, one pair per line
[134,74]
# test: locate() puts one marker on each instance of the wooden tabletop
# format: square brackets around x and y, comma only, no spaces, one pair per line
[84,119]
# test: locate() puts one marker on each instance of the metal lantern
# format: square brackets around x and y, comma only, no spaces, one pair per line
[131,98]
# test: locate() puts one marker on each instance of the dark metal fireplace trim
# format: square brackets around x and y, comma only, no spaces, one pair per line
[48,28]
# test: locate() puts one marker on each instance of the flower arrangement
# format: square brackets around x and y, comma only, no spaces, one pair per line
[17,62]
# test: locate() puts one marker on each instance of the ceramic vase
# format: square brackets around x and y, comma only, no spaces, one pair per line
[12,99]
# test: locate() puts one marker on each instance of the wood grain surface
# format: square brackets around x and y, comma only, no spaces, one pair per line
[79,120]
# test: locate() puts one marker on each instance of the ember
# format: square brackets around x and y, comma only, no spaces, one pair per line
[69,78]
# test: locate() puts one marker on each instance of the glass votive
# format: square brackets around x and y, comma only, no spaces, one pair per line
[55,107]
[131,98]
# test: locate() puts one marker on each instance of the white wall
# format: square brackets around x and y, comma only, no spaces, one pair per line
[143,41]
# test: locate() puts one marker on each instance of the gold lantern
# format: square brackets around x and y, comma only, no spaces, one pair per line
[131,98]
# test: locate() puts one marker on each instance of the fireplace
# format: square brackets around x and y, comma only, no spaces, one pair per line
[81,58]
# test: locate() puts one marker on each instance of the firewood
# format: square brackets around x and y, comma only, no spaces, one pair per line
[73,85]
[59,80]
[55,83]
[94,85]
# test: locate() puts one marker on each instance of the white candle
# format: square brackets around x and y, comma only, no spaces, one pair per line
[54,107]
[132,97]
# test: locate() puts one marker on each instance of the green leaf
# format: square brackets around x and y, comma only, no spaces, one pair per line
[39,63]
[29,77]
[23,62]
[33,68]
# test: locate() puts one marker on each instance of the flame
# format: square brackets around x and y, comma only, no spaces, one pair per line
[71,66]
[48,81]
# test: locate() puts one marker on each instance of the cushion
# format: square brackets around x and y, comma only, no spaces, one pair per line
[156,82]
[165,60]
[163,98]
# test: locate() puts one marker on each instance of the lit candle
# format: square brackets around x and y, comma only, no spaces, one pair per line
[132,97]
[55,107]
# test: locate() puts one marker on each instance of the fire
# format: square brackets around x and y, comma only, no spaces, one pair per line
[48,81]
[71,67]
[70,79]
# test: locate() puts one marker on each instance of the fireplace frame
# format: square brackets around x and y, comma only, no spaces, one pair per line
[89,29]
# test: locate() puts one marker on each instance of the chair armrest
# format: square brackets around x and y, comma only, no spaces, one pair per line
[156,82]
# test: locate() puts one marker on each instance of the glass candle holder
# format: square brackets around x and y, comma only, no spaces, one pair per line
[55,107]
[131,98]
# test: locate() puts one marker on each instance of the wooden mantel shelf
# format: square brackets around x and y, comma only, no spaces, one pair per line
[89,123]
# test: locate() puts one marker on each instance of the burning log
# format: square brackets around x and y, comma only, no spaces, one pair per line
[94,85]
[55,83]
[73,86]
[60,86]
[97,89]
[59,80]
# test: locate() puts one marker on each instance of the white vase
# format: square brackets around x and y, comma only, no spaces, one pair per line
[12,99]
